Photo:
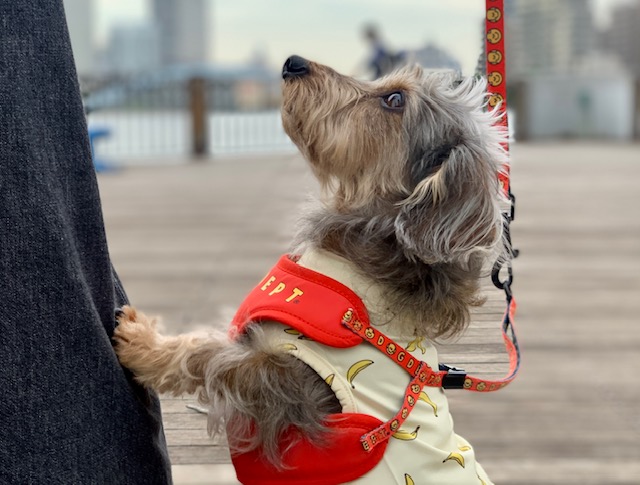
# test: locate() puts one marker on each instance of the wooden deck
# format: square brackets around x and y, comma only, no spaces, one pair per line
[189,241]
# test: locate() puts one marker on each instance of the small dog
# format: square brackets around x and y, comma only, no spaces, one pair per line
[410,218]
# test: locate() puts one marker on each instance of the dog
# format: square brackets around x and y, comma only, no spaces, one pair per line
[409,220]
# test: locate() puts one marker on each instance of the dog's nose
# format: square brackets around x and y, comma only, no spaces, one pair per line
[295,66]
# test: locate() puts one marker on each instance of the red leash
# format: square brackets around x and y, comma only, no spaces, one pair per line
[497,69]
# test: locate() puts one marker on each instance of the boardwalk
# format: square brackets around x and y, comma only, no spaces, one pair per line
[189,241]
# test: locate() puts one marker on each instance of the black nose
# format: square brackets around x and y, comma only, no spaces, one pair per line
[295,66]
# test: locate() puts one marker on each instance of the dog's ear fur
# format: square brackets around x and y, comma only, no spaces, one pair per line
[441,223]
[453,211]
[427,162]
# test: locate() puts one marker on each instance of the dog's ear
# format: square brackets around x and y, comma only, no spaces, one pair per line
[425,163]
[453,212]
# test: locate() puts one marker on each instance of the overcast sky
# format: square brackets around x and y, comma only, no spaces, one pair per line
[329,31]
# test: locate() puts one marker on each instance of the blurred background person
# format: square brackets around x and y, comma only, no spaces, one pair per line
[382,60]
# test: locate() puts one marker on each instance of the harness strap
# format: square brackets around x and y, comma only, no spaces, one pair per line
[423,375]
[390,348]
[383,432]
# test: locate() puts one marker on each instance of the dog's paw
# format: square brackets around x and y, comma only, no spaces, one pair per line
[134,335]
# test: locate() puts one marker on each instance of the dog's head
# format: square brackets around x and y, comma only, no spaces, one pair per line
[418,146]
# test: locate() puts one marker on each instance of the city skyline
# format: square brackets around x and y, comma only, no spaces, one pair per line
[242,29]
[547,36]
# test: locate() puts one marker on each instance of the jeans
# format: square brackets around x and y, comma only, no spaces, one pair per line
[69,413]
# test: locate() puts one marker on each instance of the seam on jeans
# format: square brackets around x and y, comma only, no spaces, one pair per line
[121,295]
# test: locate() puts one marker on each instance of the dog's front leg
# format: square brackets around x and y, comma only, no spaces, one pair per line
[165,363]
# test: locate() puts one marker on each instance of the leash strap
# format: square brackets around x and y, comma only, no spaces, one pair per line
[471,383]
[392,350]
[497,71]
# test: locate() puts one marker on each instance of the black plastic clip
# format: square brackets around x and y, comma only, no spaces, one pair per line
[512,199]
[455,377]
[495,277]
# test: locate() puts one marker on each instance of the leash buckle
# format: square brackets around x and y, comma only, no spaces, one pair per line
[455,377]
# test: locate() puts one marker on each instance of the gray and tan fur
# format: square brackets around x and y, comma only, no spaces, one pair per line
[411,198]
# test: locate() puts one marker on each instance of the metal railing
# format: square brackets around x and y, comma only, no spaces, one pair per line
[163,118]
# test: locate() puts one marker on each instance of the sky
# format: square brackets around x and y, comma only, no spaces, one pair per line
[330,31]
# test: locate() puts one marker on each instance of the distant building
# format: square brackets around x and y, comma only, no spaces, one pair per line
[80,19]
[588,106]
[623,36]
[562,84]
[548,36]
[133,49]
[182,28]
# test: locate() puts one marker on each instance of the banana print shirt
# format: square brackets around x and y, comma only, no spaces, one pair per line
[425,450]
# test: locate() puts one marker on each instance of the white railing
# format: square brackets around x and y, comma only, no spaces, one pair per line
[164,136]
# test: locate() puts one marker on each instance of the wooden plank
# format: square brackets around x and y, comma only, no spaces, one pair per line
[566,471]
[472,357]
[190,437]
[184,421]
[171,406]
[199,455]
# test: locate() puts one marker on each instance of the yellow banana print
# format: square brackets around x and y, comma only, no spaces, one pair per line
[425,397]
[289,347]
[404,435]
[464,448]
[329,379]
[293,331]
[408,480]
[417,344]
[356,368]
[457,457]
[482,482]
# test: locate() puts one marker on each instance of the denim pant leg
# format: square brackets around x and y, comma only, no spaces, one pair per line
[69,414]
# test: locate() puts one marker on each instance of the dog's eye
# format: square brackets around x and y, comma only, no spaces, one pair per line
[393,100]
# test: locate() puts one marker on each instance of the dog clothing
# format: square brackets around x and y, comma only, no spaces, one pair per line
[371,387]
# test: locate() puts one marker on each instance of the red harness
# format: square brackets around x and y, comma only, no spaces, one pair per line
[332,314]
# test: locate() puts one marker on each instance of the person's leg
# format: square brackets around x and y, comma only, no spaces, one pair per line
[69,414]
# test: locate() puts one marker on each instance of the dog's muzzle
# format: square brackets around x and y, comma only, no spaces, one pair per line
[295,66]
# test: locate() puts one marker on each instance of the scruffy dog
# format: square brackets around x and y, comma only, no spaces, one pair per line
[411,216]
